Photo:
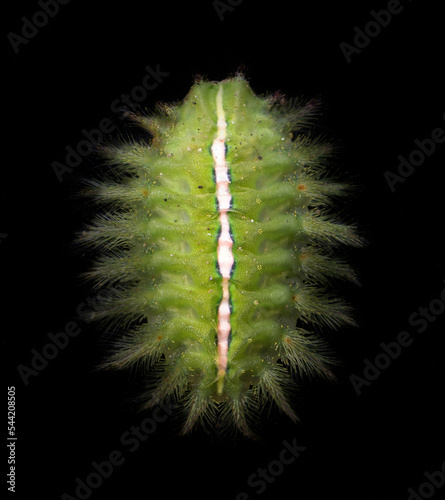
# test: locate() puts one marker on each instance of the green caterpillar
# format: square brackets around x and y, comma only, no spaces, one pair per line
[216,239]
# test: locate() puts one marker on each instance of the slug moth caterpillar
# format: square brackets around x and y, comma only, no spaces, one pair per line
[217,244]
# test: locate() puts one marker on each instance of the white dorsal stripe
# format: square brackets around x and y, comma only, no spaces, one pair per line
[225,242]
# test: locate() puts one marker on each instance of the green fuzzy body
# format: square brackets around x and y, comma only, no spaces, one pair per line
[159,239]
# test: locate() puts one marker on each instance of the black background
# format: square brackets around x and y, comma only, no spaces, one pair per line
[374,445]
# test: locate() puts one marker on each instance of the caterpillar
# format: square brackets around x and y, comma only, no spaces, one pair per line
[217,242]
